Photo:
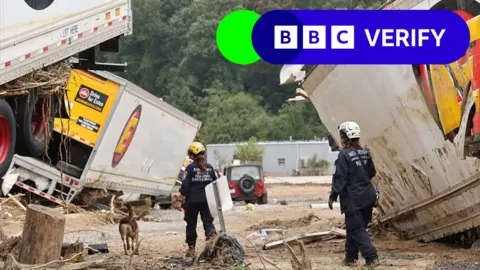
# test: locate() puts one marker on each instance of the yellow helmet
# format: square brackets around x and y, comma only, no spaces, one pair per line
[196,148]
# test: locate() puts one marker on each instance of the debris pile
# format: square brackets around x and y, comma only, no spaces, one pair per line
[224,250]
[51,79]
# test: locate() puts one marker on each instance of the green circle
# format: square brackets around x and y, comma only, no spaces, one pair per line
[234,37]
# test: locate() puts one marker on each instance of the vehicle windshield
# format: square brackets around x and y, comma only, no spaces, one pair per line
[238,172]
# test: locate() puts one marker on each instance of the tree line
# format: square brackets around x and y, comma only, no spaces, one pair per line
[172,53]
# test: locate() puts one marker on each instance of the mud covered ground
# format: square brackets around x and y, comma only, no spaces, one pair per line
[162,245]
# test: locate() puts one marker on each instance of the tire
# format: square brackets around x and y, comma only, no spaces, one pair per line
[246,185]
[98,207]
[263,199]
[7,136]
[33,134]
[69,169]
[165,206]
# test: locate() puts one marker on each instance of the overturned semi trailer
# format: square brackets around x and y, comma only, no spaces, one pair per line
[422,127]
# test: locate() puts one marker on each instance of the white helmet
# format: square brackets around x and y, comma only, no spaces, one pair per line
[351,129]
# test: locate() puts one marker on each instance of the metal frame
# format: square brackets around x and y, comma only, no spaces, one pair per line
[55,176]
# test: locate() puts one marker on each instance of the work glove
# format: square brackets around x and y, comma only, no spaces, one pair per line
[330,204]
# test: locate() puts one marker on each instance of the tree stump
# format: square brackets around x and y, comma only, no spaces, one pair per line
[42,236]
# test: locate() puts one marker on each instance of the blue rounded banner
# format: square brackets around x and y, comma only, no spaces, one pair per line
[360,37]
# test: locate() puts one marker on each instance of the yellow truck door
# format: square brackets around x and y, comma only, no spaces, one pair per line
[88,101]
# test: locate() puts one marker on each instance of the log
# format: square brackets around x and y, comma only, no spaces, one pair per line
[42,237]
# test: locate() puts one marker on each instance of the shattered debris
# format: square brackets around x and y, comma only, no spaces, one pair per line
[10,245]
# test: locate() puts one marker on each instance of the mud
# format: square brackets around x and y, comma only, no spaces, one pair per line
[285,224]
[162,237]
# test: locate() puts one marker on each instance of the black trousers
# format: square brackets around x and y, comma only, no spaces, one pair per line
[358,238]
[191,217]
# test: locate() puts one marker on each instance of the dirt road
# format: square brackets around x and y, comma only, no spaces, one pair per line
[163,236]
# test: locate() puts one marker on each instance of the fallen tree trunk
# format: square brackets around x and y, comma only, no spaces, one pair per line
[42,237]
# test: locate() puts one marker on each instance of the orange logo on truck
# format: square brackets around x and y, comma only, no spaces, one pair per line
[126,136]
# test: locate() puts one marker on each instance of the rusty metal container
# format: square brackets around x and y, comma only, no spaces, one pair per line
[429,189]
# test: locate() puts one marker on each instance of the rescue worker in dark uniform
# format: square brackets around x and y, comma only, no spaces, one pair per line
[354,170]
[198,175]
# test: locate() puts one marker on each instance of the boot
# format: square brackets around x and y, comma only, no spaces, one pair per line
[372,262]
[211,237]
[349,263]
[191,251]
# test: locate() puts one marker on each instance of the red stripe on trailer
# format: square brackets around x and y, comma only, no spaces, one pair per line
[62,42]
[40,193]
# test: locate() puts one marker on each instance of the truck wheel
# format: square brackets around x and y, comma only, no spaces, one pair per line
[7,136]
[263,199]
[69,169]
[34,117]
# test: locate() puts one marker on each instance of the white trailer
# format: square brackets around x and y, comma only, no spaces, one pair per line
[34,34]
[139,150]
[417,122]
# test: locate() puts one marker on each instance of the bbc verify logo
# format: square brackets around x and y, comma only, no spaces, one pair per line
[343,37]
[360,37]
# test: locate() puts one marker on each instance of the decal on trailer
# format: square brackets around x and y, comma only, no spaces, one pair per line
[91,98]
[39,5]
[88,124]
[126,136]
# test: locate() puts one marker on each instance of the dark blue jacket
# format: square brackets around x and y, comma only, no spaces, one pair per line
[195,181]
[352,180]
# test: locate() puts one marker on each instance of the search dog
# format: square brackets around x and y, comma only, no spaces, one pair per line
[129,230]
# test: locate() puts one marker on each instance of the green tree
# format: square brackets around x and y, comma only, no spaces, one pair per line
[231,117]
[172,53]
[320,166]
[250,152]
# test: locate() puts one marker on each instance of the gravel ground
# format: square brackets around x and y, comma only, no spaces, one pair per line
[163,246]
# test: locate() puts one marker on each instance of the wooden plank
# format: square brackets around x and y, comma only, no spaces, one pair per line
[338,232]
[278,243]
[16,201]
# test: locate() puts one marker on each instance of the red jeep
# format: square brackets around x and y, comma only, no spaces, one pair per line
[246,183]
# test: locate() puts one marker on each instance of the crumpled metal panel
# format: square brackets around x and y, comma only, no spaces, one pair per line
[427,190]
